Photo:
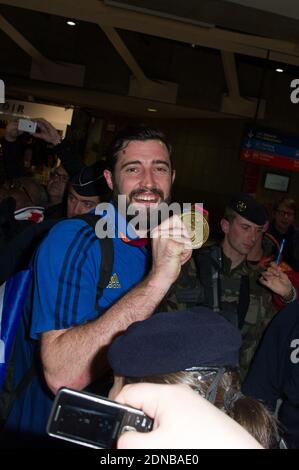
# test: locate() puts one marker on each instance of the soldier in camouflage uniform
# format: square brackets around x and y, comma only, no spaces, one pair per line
[252,313]
[230,285]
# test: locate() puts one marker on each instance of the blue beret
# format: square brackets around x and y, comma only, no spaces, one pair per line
[174,341]
[246,206]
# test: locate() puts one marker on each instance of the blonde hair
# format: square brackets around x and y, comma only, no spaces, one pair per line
[248,412]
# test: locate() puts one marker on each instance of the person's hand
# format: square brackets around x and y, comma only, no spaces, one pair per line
[276,280]
[47,132]
[171,248]
[12,132]
[182,420]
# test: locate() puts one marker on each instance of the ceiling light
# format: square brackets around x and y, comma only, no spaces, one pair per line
[279,70]
[152,110]
[71,23]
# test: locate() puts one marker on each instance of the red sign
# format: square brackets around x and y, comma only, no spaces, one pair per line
[266,159]
[270,148]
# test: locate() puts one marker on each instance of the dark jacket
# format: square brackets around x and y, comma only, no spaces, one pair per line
[290,251]
[15,255]
[274,372]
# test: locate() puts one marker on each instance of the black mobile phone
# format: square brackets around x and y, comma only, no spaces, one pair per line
[93,421]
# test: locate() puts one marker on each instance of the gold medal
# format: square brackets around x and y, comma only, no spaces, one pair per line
[197,226]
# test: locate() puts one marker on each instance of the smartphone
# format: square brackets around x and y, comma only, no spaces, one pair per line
[26,125]
[93,421]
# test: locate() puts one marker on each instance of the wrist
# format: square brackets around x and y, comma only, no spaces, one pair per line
[56,141]
[157,282]
[292,295]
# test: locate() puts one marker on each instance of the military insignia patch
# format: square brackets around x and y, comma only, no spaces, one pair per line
[241,206]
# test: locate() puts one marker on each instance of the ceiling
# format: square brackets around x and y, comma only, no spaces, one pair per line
[287,8]
[183,58]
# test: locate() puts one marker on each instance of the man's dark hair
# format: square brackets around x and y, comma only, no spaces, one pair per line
[130,133]
[229,214]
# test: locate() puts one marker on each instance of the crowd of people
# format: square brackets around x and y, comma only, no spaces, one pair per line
[221,319]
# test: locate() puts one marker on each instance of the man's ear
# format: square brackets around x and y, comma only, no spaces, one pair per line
[265,227]
[224,223]
[108,177]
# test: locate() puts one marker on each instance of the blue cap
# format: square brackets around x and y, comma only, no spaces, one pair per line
[174,341]
[90,181]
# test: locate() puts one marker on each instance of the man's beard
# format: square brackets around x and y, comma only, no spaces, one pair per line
[149,216]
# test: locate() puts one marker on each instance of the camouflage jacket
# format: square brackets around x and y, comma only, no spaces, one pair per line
[187,292]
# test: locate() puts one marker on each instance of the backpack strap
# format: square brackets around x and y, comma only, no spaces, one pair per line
[107,255]
[244,300]
[106,268]
[208,261]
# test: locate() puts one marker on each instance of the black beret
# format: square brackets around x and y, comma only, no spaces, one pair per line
[90,180]
[246,206]
[174,341]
